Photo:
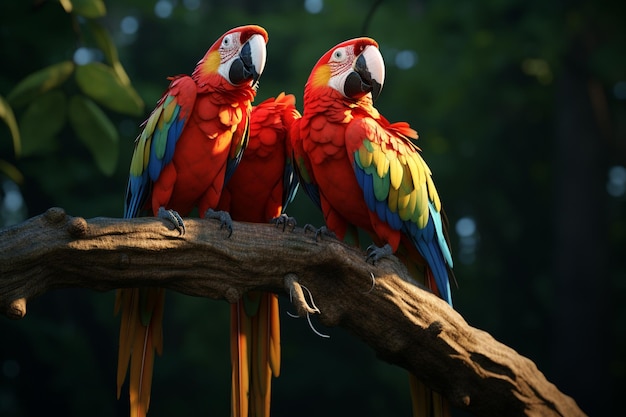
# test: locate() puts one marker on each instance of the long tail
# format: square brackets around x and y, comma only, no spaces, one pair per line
[255,353]
[141,335]
[426,402]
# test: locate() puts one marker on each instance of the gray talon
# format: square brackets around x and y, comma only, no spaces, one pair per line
[225,220]
[374,253]
[322,231]
[309,228]
[173,217]
[284,220]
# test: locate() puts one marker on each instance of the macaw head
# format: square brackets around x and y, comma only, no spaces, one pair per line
[354,68]
[238,56]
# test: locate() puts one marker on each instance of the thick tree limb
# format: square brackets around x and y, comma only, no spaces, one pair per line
[404,324]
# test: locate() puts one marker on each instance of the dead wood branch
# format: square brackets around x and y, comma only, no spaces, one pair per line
[404,324]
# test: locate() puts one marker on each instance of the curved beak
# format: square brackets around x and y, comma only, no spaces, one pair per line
[368,74]
[250,63]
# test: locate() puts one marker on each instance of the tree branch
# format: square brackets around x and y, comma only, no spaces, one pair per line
[404,324]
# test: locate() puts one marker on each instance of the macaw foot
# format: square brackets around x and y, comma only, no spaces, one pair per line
[374,253]
[284,221]
[224,218]
[173,217]
[322,231]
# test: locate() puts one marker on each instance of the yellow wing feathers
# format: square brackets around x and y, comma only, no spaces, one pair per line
[392,171]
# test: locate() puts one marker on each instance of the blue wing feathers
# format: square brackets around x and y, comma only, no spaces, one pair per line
[137,192]
[161,132]
[359,175]
[173,133]
[155,166]
[312,192]
[429,241]
[367,185]
[428,247]
[443,244]
[381,207]
[382,210]
[233,162]
[231,166]
[394,220]
[290,184]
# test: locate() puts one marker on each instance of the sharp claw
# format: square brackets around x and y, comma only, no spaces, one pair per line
[322,231]
[285,221]
[173,217]
[225,220]
[375,253]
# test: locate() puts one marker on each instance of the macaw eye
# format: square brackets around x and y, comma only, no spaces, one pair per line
[226,42]
[339,55]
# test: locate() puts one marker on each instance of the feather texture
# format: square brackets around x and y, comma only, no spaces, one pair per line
[366,172]
[196,133]
[258,191]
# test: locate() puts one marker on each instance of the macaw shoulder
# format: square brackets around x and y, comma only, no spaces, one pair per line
[155,145]
[366,130]
[182,85]
[379,132]
[182,93]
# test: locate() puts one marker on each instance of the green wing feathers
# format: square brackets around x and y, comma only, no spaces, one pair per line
[397,185]
[401,186]
[154,148]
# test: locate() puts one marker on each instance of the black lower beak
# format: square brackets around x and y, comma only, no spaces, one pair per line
[242,69]
[360,82]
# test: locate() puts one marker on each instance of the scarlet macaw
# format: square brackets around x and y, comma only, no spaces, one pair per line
[365,172]
[260,188]
[189,146]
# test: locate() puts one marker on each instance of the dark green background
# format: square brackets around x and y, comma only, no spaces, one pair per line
[521,110]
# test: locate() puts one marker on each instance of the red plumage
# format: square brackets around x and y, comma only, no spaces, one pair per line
[189,143]
[256,193]
[365,172]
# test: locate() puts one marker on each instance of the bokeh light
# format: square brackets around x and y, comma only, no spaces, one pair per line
[313,6]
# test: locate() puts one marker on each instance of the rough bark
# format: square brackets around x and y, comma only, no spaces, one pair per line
[406,325]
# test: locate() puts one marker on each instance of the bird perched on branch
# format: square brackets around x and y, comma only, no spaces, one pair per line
[259,191]
[189,146]
[365,172]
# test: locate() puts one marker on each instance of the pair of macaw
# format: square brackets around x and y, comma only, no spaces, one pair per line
[361,170]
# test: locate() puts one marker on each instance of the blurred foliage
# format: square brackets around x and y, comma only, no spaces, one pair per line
[482,82]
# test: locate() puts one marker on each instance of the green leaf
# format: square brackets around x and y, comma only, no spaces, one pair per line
[106,44]
[39,82]
[42,120]
[12,172]
[67,5]
[104,41]
[96,131]
[6,114]
[89,8]
[100,82]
